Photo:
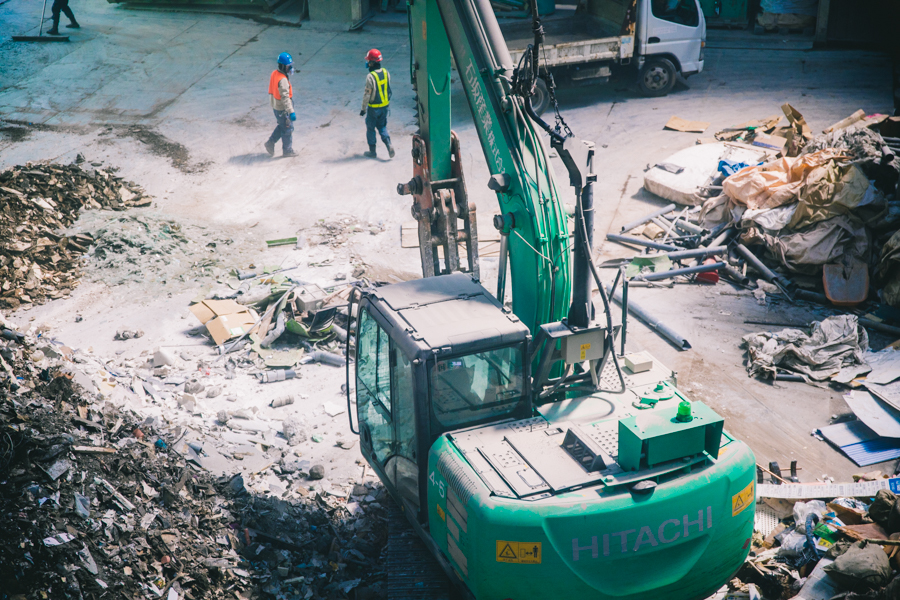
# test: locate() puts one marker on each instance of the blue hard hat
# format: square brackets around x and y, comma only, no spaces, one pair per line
[285,59]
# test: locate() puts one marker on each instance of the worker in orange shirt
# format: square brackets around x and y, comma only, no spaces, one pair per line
[376,100]
[280,95]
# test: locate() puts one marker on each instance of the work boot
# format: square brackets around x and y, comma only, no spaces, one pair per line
[289,153]
[270,148]
[372,152]
[54,31]
[74,25]
[390,150]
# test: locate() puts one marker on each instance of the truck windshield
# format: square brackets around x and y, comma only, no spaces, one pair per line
[471,388]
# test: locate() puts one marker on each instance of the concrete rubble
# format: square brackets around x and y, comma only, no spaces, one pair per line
[103,494]
[37,201]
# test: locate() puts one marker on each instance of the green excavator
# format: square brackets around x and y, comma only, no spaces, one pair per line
[533,460]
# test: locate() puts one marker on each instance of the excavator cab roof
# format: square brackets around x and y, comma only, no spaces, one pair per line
[451,314]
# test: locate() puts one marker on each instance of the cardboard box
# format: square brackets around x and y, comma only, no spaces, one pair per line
[772,142]
[224,319]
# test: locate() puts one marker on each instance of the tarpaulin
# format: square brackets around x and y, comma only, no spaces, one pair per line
[806,250]
[887,273]
[819,353]
[775,183]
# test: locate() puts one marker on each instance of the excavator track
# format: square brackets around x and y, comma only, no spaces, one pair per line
[413,573]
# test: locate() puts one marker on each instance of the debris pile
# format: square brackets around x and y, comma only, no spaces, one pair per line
[809,544]
[97,500]
[37,201]
[781,211]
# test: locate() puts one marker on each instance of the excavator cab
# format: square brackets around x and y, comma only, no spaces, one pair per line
[431,356]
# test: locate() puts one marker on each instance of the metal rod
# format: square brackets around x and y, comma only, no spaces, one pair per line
[734,275]
[663,211]
[767,273]
[686,225]
[681,254]
[628,239]
[685,271]
[678,340]
[624,312]
[879,326]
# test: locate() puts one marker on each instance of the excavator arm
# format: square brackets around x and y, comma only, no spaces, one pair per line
[532,223]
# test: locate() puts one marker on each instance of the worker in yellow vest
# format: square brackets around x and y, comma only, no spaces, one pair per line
[281,97]
[376,100]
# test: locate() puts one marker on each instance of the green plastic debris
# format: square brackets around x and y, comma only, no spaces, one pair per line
[281,242]
[641,264]
[317,438]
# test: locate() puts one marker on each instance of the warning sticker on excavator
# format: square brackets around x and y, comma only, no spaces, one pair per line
[523,553]
[440,512]
[584,348]
[742,500]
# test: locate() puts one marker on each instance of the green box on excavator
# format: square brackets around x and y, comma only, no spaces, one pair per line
[657,436]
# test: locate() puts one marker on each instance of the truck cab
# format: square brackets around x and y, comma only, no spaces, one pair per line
[671,38]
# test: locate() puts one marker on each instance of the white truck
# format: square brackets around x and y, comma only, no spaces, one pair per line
[656,39]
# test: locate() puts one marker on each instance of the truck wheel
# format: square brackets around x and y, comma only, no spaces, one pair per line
[657,78]
[541,99]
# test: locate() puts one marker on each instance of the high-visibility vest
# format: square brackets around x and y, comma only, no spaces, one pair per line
[381,89]
[276,77]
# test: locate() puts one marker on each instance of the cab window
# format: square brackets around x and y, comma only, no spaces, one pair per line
[471,388]
[683,12]
[373,386]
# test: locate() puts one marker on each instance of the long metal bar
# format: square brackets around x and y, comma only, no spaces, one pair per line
[624,312]
[682,254]
[629,239]
[653,322]
[686,225]
[767,273]
[663,211]
[677,272]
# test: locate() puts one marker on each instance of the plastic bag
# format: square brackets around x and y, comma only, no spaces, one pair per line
[802,510]
[792,544]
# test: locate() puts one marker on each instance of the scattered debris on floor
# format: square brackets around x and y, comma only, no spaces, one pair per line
[97,500]
[822,541]
[37,201]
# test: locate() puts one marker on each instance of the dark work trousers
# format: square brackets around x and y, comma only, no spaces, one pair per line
[376,118]
[61,6]
[283,131]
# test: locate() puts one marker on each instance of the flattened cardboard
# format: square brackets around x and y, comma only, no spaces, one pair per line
[679,124]
[224,319]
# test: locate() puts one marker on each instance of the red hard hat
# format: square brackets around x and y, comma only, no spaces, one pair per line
[374,55]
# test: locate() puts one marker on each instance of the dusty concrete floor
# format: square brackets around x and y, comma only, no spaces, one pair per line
[199,81]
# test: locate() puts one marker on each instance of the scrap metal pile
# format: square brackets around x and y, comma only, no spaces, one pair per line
[815,218]
[97,501]
[37,261]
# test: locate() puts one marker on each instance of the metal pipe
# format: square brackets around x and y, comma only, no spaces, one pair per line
[870,324]
[767,273]
[686,225]
[734,275]
[685,271]
[681,254]
[624,312]
[663,211]
[339,331]
[322,356]
[628,239]
[580,309]
[661,328]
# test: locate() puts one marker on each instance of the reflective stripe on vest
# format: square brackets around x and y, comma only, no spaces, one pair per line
[276,77]
[381,89]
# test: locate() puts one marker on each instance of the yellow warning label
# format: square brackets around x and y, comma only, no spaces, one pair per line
[440,512]
[584,349]
[523,553]
[742,500]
